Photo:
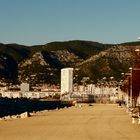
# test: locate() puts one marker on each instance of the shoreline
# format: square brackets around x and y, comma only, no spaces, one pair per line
[17,106]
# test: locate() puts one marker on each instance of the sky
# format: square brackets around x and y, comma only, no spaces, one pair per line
[33,22]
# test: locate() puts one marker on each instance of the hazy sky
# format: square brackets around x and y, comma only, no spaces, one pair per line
[32,22]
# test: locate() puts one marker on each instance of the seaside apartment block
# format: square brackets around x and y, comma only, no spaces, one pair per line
[66,80]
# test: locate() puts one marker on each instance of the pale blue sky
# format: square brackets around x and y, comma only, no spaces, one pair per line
[33,22]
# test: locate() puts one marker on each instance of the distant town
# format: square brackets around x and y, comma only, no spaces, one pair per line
[102,92]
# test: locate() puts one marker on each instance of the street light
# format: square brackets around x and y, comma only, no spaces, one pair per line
[131,95]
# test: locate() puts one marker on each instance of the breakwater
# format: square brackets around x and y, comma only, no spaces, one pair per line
[20,105]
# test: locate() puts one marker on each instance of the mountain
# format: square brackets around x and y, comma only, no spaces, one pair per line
[42,63]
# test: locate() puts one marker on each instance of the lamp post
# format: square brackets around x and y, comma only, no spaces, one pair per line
[131,95]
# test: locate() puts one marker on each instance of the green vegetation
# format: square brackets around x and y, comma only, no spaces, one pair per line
[18,52]
[83,49]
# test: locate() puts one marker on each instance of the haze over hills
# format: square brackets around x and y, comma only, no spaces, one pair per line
[42,63]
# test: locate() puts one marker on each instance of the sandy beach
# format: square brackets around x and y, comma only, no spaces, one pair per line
[97,122]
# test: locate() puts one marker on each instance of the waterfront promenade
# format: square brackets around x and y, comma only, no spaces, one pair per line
[97,122]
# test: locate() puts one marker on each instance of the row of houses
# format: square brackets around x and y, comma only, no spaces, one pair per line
[29,94]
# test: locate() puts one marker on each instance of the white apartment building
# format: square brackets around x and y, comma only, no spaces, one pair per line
[66,80]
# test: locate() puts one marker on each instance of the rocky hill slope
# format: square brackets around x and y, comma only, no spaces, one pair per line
[42,63]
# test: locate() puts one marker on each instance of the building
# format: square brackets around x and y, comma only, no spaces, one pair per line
[66,80]
[24,87]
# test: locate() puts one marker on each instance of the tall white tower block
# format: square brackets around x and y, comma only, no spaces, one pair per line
[66,80]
